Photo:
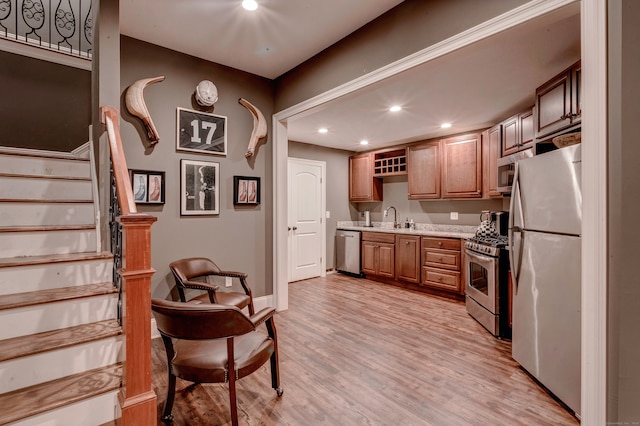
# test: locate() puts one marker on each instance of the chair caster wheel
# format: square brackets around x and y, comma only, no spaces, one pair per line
[279,392]
[168,419]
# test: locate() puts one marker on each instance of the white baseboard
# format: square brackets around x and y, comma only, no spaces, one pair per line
[258,303]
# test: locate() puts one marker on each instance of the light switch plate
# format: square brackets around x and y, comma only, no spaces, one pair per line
[454,215]
[228,282]
[328,214]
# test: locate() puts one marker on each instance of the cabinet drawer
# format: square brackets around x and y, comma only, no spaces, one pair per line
[441,259]
[379,237]
[438,278]
[441,243]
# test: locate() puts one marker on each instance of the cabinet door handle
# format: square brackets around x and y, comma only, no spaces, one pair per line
[440,243]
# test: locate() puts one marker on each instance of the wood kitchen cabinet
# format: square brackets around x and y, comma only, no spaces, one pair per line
[441,264]
[363,186]
[518,132]
[408,258]
[491,151]
[378,254]
[462,166]
[424,170]
[558,102]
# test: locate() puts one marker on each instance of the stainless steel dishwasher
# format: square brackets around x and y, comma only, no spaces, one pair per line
[348,252]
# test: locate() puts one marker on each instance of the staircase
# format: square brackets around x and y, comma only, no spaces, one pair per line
[60,341]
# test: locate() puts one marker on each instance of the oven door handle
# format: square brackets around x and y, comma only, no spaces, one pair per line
[478,256]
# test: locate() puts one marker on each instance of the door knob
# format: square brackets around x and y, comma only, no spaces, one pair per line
[289,228]
[295,227]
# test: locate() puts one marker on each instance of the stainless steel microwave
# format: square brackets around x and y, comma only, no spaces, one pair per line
[507,169]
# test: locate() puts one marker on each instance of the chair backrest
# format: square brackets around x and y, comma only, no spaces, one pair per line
[192,267]
[199,321]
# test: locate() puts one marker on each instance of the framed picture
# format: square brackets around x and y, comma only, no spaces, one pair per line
[199,186]
[201,132]
[148,186]
[246,190]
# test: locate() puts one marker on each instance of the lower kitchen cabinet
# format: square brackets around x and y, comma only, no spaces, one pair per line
[408,258]
[378,254]
[441,264]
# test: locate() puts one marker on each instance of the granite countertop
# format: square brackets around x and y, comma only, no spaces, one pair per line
[421,229]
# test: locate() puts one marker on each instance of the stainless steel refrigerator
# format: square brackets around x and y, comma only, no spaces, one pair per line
[544,247]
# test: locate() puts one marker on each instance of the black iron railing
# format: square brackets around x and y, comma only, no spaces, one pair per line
[116,242]
[65,26]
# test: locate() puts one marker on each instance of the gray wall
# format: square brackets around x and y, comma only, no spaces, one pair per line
[623,373]
[43,105]
[411,26]
[238,238]
[337,187]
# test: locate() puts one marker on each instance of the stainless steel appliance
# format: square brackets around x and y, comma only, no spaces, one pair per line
[348,252]
[544,236]
[487,282]
[507,169]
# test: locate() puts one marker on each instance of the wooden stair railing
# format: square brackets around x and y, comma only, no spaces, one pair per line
[137,399]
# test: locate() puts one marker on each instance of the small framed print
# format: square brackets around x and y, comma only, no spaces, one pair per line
[201,132]
[148,186]
[199,185]
[246,190]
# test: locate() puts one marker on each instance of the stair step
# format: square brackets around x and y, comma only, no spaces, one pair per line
[52,258]
[20,300]
[41,153]
[41,342]
[25,241]
[61,313]
[29,188]
[47,396]
[45,164]
[44,212]
[51,177]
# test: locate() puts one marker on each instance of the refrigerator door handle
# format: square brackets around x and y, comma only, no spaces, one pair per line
[515,197]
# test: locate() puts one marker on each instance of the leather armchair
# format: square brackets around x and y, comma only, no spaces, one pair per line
[195,273]
[210,343]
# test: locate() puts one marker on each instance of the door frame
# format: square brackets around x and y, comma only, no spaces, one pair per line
[593,16]
[323,209]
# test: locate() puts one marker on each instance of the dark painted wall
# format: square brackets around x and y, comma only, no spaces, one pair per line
[43,105]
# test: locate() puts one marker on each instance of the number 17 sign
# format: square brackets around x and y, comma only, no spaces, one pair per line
[201,132]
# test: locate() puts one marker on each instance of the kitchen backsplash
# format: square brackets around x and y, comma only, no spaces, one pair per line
[419,226]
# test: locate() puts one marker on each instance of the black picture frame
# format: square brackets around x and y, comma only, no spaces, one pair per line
[147,186]
[201,132]
[246,190]
[199,188]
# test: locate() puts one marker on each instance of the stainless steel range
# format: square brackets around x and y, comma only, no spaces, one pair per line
[487,283]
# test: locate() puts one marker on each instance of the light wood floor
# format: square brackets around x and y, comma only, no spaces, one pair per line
[356,352]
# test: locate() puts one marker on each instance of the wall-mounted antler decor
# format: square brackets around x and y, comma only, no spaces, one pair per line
[134,100]
[259,126]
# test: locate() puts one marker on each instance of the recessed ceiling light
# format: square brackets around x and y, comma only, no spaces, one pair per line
[445,125]
[250,4]
[364,142]
[323,130]
[395,108]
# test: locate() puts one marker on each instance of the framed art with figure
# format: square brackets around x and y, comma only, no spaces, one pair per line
[246,190]
[147,186]
[199,185]
[201,132]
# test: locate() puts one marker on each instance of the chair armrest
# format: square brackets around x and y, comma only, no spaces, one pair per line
[200,286]
[262,316]
[243,279]
[233,274]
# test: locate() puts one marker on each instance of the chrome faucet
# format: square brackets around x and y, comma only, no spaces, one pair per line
[395,215]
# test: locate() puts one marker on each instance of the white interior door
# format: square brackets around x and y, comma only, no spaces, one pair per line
[306,224]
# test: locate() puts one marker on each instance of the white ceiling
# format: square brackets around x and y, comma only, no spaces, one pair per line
[472,88]
[268,42]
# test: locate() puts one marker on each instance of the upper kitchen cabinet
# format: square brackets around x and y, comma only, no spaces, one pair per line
[424,171]
[390,162]
[558,102]
[518,132]
[462,166]
[362,185]
[491,151]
